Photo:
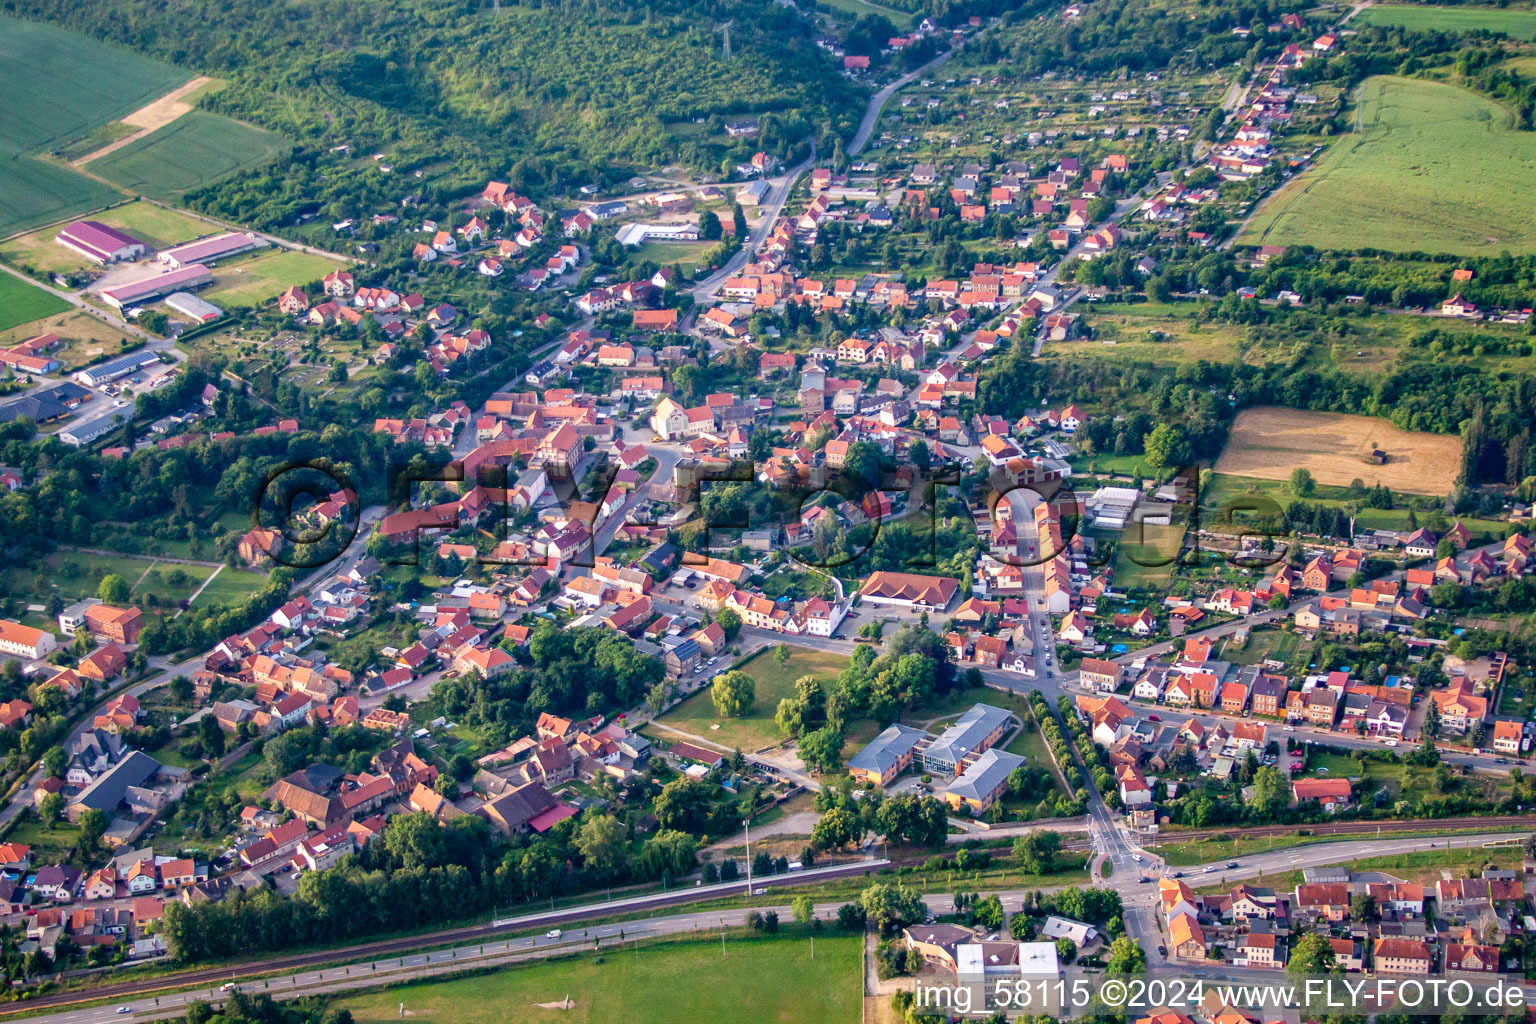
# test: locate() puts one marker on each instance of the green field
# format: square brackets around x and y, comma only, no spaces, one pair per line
[190,152]
[696,715]
[60,87]
[1515,24]
[265,276]
[22,303]
[1402,181]
[231,586]
[760,980]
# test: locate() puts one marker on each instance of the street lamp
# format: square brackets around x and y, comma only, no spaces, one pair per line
[746,823]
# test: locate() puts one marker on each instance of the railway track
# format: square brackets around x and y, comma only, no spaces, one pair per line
[1335,828]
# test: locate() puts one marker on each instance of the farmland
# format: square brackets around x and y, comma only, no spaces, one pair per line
[155,226]
[759,980]
[1401,180]
[22,303]
[264,276]
[192,151]
[61,87]
[1513,23]
[1270,442]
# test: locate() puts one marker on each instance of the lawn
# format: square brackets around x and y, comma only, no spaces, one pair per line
[230,587]
[265,276]
[49,845]
[155,226]
[77,574]
[1157,544]
[774,681]
[684,254]
[1401,181]
[62,86]
[21,303]
[1418,18]
[1263,645]
[759,980]
[192,151]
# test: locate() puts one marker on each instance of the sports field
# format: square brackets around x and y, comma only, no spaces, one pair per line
[1515,24]
[760,980]
[22,303]
[60,86]
[1403,181]
[1270,442]
[190,152]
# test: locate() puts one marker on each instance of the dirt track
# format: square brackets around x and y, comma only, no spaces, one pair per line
[153,115]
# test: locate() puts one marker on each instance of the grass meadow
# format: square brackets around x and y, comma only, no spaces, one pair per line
[1402,180]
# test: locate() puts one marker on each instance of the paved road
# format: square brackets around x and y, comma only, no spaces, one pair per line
[782,184]
[779,188]
[877,101]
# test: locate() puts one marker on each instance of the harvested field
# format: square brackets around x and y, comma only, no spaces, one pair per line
[1272,441]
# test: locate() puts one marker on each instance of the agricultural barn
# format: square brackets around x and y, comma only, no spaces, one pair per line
[206,250]
[99,243]
[147,288]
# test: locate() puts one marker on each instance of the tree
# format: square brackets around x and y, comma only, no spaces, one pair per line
[733,694]
[683,804]
[890,906]
[1312,955]
[989,912]
[822,750]
[1036,851]
[709,226]
[51,809]
[804,909]
[1168,447]
[729,622]
[211,737]
[837,828]
[1270,794]
[1126,957]
[113,589]
[93,825]
[1362,907]
[781,654]
[1302,483]
[657,696]
[1066,949]
[603,841]
[851,917]
[181,690]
